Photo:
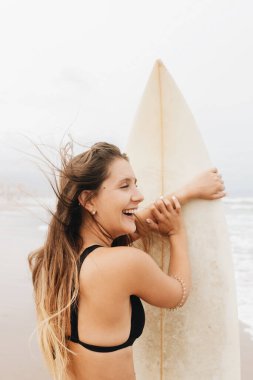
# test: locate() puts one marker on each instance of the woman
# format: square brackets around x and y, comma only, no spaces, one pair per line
[88,279]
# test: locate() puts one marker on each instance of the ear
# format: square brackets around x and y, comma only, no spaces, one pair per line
[85,198]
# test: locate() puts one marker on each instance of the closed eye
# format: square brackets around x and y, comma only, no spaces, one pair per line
[123,187]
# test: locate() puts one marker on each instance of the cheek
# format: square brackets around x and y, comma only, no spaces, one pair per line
[110,204]
[113,203]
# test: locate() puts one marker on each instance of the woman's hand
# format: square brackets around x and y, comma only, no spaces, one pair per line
[207,185]
[166,217]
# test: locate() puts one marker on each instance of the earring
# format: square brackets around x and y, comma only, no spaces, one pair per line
[93,212]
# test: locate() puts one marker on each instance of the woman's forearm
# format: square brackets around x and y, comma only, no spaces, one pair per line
[179,260]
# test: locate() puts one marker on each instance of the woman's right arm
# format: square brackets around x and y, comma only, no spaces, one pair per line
[144,277]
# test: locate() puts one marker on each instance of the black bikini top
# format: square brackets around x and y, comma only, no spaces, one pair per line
[137,318]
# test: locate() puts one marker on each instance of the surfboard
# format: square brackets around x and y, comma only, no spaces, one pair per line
[200,340]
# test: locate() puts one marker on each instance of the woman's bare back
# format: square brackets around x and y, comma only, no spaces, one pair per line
[104,319]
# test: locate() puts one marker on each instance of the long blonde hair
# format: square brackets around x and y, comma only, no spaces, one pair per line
[53,266]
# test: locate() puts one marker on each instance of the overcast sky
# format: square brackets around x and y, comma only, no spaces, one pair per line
[82,66]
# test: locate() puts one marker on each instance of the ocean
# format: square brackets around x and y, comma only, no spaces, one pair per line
[239,216]
[23,228]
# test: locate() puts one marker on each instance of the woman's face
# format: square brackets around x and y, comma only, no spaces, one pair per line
[118,193]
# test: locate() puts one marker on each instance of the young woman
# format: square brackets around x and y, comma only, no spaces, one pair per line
[88,279]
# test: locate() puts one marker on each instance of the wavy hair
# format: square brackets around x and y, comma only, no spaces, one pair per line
[54,265]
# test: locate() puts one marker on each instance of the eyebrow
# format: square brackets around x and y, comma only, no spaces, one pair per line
[128,179]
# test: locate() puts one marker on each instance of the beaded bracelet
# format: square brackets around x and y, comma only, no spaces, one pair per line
[181,303]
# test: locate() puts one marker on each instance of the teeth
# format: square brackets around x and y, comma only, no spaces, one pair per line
[131,211]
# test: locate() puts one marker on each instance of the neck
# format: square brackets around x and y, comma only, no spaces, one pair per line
[93,233]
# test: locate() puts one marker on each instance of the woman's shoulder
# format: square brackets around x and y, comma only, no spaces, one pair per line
[111,258]
[122,257]
[113,264]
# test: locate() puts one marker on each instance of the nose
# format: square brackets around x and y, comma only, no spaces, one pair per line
[137,196]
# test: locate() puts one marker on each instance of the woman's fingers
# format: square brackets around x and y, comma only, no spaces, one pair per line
[219,195]
[176,203]
[163,205]
[155,212]
[216,172]
[166,215]
[220,185]
[220,182]
[161,208]
[152,225]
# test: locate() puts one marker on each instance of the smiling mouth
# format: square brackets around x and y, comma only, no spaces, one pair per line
[130,213]
[131,216]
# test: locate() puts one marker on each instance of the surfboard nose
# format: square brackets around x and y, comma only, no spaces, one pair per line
[159,63]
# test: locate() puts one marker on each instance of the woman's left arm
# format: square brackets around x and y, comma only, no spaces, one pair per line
[207,185]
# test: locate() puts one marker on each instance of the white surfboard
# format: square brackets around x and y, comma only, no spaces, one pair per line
[201,340]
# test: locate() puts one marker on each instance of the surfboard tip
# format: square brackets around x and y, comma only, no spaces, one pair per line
[159,62]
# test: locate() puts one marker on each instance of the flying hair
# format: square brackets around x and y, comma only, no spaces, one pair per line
[54,265]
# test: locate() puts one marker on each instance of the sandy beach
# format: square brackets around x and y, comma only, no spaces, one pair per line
[19,356]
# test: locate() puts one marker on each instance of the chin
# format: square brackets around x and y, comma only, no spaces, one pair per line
[131,229]
[126,231]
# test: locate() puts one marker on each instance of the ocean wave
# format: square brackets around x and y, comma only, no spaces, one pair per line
[239,200]
[241,207]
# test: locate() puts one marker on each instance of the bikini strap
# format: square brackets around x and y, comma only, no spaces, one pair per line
[85,253]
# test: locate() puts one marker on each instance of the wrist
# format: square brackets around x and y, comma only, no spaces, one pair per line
[183,195]
[186,194]
[175,235]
